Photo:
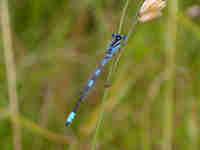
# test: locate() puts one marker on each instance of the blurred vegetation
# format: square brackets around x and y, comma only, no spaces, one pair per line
[57,44]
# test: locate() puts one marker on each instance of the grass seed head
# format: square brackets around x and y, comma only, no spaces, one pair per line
[150,10]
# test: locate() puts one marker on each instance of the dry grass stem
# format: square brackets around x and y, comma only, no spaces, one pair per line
[11,73]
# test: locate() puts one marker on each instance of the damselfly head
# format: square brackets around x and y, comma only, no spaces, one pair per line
[150,10]
[118,36]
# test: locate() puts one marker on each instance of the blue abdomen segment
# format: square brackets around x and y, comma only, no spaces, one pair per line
[90,83]
[98,71]
[104,61]
[70,118]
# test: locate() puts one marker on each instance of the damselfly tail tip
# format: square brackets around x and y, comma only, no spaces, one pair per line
[70,118]
[67,123]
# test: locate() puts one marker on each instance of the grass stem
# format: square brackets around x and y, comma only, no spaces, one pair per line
[100,116]
[11,73]
[170,38]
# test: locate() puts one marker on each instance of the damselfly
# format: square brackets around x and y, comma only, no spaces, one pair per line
[113,48]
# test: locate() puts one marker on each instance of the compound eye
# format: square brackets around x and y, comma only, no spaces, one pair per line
[113,35]
[118,37]
[124,37]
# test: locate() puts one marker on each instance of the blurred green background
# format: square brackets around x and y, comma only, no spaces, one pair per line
[155,94]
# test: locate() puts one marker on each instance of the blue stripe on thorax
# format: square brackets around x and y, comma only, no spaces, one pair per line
[115,48]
